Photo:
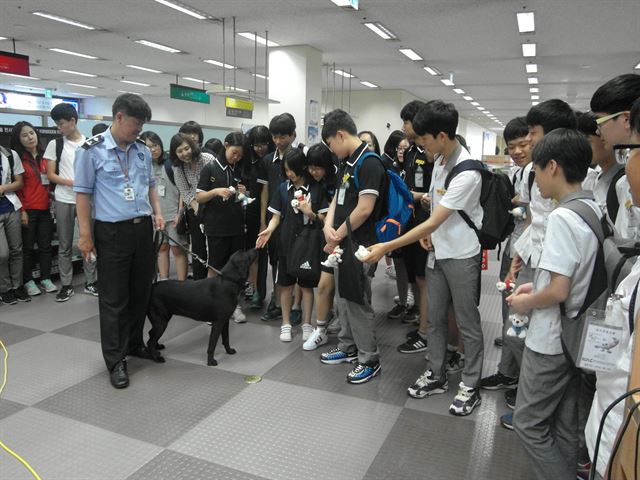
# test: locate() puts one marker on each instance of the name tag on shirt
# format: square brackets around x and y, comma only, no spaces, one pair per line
[431,260]
[44,179]
[342,192]
[441,191]
[600,343]
[162,190]
[129,194]
[419,180]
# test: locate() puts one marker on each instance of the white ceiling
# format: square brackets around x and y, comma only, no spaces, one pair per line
[581,44]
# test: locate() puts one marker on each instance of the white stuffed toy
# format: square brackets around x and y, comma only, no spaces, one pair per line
[519,212]
[506,287]
[334,258]
[298,197]
[233,192]
[362,253]
[518,326]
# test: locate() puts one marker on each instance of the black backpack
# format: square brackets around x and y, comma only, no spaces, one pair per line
[495,200]
[9,155]
[612,196]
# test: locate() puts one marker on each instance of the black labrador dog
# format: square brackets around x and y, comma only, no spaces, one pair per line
[209,300]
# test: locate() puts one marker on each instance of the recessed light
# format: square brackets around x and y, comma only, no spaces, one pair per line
[475,104]
[380,30]
[369,84]
[68,21]
[183,9]
[534,103]
[346,3]
[131,82]
[447,82]
[532,80]
[480,108]
[81,74]
[432,71]
[236,89]
[526,22]
[27,77]
[129,91]
[534,90]
[528,49]
[257,38]
[196,80]
[637,67]
[535,97]
[468,98]
[3,38]
[342,73]
[76,54]
[459,91]
[30,87]
[144,69]
[531,67]
[219,64]
[81,85]
[259,75]
[81,94]
[158,46]
[410,53]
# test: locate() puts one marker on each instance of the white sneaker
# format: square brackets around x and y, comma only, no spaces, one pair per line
[285,333]
[32,288]
[238,316]
[317,338]
[307,330]
[48,286]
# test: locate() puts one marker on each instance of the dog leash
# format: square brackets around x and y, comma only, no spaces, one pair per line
[189,252]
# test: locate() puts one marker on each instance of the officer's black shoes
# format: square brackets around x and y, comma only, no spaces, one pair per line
[140,352]
[119,375]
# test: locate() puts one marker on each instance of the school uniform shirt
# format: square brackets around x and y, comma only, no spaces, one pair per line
[529,245]
[569,249]
[271,173]
[589,182]
[418,171]
[34,195]
[627,223]
[601,188]
[516,175]
[454,238]
[10,202]
[292,223]
[250,175]
[64,193]
[372,181]
[221,218]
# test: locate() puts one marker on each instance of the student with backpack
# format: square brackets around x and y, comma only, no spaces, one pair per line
[11,283]
[60,155]
[453,263]
[546,419]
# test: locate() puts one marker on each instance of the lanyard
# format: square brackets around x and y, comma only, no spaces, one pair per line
[122,166]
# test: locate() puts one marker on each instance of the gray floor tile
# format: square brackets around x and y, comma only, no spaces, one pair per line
[59,448]
[47,364]
[171,465]
[161,404]
[283,431]
[427,446]
[7,407]
[11,334]
[88,329]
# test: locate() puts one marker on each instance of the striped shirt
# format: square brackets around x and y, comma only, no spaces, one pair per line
[187,178]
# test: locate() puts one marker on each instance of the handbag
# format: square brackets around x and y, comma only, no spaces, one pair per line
[304,260]
[182,227]
[351,281]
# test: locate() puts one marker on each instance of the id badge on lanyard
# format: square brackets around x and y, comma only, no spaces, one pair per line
[600,345]
[162,190]
[128,192]
[342,191]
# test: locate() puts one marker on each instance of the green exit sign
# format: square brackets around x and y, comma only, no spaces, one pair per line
[180,92]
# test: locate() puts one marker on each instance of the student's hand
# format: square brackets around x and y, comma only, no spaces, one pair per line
[377,251]
[525,288]
[86,247]
[24,218]
[305,208]
[426,243]
[160,222]
[263,238]
[516,265]
[176,219]
[425,201]
[331,235]
[222,192]
[2,190]
[194,206]
[330,247]
[519,302]
[241,188]
[263,225]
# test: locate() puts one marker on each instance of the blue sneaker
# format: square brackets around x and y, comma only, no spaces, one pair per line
[506,420]
[336,356]
[363,372]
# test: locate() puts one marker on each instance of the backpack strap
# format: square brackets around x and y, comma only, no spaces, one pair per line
[613,204]
[530,180]
[632,307]
[465,166]
[59,148]
[169,171]
[356,169]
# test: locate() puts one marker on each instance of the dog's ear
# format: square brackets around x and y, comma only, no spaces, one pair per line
[237,268]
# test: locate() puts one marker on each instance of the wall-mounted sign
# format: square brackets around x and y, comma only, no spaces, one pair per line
[238,108]
[180,92]
[14,63]
[23,101]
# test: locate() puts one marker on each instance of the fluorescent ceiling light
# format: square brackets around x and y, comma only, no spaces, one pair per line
[534,90]
[159,46]
[68,21]
[32,88]
[380,30]
[80,94]
[129,91]
[459,91]
[528,49]
[259,75]
[345,3]
[131,82]
[535,97]
[408,52]
[80,85]
[531,67]
[19,76]
[69,52]
[369,84]
[534,103]
[220,64]
[475,104]
[82,74]
[236,89]
[468,98]
[257,38]
[3,38]
[480,108]
[144,69]
[526,22]
[447,82]
[183,9]
[196,80]
[532,80]
[342,73]
[637,67]
[432,71]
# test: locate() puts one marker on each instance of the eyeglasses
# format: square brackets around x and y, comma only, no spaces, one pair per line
[622,151]
[602,120]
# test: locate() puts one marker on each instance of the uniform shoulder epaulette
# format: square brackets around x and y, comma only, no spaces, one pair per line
[139,140]
[93,141]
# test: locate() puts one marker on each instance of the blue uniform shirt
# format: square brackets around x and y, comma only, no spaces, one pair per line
[98,172]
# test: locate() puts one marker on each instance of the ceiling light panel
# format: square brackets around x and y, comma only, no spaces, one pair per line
[131,82]
[459,91]
[531,67]
[532,80]
[81,74]
[432,71]
[468,98]
[257,38]
[183,8]
[380,30]
[68,21]
[346,3]
[447,82]
[534,90]
[76,54]
[526,22]
[158,46]
[219,64]
[342,73]
[369,84]
[528,49]
[410,53]
[144,69]
[81,85]
[196,80]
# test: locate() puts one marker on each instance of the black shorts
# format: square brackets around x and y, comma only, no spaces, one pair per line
[252,231]
[285,280]
[324,256]
[415,261]
[220,249]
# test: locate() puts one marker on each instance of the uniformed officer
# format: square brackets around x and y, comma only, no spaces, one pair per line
[115,170]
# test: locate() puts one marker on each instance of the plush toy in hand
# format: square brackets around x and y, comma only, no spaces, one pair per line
[334,258]
[518,326]
[506,287]
[362,252]
[519,212]
[233,192]
[298,197]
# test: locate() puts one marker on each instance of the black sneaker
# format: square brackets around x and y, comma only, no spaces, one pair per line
[295,317]
[21,294]
[427,385]
[411,314]
[8,298]
[91,289]
[396,312]
[498,381]
[272,314]
[256,302]
[65,293]
[363,372]
[510,397]
[412,334]
[415,344]
[465,401]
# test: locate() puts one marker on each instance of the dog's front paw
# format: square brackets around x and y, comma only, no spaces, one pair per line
[160,346]
[158,358]
[231,351]
[212,362]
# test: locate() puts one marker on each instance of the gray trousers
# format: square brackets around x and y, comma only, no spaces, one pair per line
[65,225]
[456,280]
[358,325]
[512,348]
[10,251]
[546,415]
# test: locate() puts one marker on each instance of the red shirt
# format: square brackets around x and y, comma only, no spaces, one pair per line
[34,195]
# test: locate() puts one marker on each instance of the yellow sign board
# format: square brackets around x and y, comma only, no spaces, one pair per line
[239,104]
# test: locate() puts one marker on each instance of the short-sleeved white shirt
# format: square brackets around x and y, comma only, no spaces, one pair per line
[628,219]
[454,238]
[517,178]
[18,169]
[569,249]
[64,193]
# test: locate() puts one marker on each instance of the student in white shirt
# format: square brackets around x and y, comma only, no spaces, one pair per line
[453,265]
[61,172]
[545,418]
